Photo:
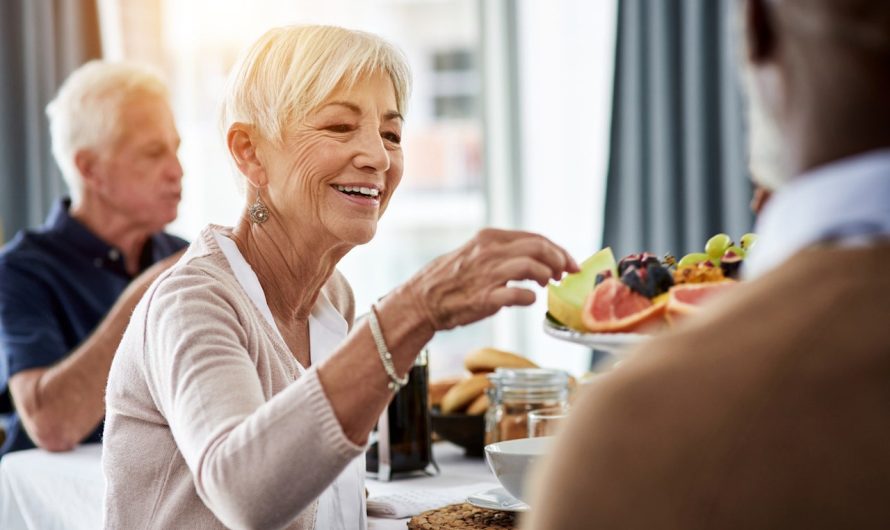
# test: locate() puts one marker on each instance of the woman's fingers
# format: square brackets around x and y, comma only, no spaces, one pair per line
[542,250]
[516,237]
[511,296]
[521,268]
[472,282]
[572,265]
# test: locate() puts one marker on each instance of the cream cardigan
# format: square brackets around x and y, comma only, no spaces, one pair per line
[208,422]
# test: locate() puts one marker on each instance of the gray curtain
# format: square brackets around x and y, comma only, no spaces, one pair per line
[677,170]
[41,42]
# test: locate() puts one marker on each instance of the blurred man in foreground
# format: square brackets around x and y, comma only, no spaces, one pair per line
[770,409]
[67,289]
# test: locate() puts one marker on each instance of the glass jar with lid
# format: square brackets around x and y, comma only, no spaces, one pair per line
[514,392]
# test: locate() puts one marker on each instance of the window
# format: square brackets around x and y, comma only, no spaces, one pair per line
[456,85]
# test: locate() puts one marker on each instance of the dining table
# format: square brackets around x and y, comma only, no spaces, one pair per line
[45,490]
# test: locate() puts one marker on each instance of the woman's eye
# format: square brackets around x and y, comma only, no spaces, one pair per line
[340,128]
[392,137]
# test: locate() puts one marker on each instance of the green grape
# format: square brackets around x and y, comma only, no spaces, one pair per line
[748,240]
[692,259]
[717,245]
[738,251]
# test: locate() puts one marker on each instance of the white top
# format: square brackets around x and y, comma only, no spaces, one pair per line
[845,202]
[210,422]
[342,505]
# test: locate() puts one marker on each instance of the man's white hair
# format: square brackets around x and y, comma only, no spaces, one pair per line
[85,114]
[291,70]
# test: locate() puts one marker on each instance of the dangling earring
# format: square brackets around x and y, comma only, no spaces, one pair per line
[257,211]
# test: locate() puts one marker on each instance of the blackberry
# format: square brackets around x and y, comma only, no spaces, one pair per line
[631,261]
[649,259]
[659,280]
[631,278]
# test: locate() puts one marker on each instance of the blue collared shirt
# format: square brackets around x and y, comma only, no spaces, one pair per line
[57,283]
[845,202]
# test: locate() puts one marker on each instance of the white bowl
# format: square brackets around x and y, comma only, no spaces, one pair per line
[510,461]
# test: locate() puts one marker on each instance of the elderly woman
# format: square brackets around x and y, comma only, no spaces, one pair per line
[241,395]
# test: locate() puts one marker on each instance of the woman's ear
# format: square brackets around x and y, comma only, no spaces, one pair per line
[242,141]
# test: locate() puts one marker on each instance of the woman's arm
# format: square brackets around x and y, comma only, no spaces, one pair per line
[256,463]
[459,288]
[259,463]
[354,379]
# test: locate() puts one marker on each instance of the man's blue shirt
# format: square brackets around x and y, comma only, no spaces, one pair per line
[57,283]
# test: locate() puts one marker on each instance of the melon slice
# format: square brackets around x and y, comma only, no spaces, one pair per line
[565,300]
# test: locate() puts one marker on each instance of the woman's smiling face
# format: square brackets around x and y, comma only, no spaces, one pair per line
[338,168]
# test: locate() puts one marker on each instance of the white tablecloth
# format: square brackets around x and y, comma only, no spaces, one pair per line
[42,490]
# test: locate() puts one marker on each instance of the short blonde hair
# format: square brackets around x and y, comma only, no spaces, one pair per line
[291,70]
[85,114]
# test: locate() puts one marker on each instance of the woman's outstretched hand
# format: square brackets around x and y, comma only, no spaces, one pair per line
[472,282]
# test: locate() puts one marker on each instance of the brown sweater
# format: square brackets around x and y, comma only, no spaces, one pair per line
[208,422]
[772,410]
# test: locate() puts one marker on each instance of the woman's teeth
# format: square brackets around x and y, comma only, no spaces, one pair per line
[368,192]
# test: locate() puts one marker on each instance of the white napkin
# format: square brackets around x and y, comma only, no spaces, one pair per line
[414,501]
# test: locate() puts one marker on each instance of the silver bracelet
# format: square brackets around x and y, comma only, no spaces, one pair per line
[395,382]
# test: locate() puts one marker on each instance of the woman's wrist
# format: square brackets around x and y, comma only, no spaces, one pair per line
[405,326]
[396,381]
[412,296]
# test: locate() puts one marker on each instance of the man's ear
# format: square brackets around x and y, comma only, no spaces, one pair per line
[86,161]
[760,31]
[242,142]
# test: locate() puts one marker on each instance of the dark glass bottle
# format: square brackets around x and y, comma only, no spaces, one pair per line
[402,440]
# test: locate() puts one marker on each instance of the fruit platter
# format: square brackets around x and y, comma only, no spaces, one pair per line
[612,305]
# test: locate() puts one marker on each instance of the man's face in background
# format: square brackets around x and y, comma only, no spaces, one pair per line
[767,148]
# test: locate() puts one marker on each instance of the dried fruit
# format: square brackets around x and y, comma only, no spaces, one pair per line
[692,259]
[701,273]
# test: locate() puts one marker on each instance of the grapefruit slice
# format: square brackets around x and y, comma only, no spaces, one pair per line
[566,298]
[614,308]
[687,298]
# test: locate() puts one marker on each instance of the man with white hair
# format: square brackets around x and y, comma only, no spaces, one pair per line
[770,408]
[67,289]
